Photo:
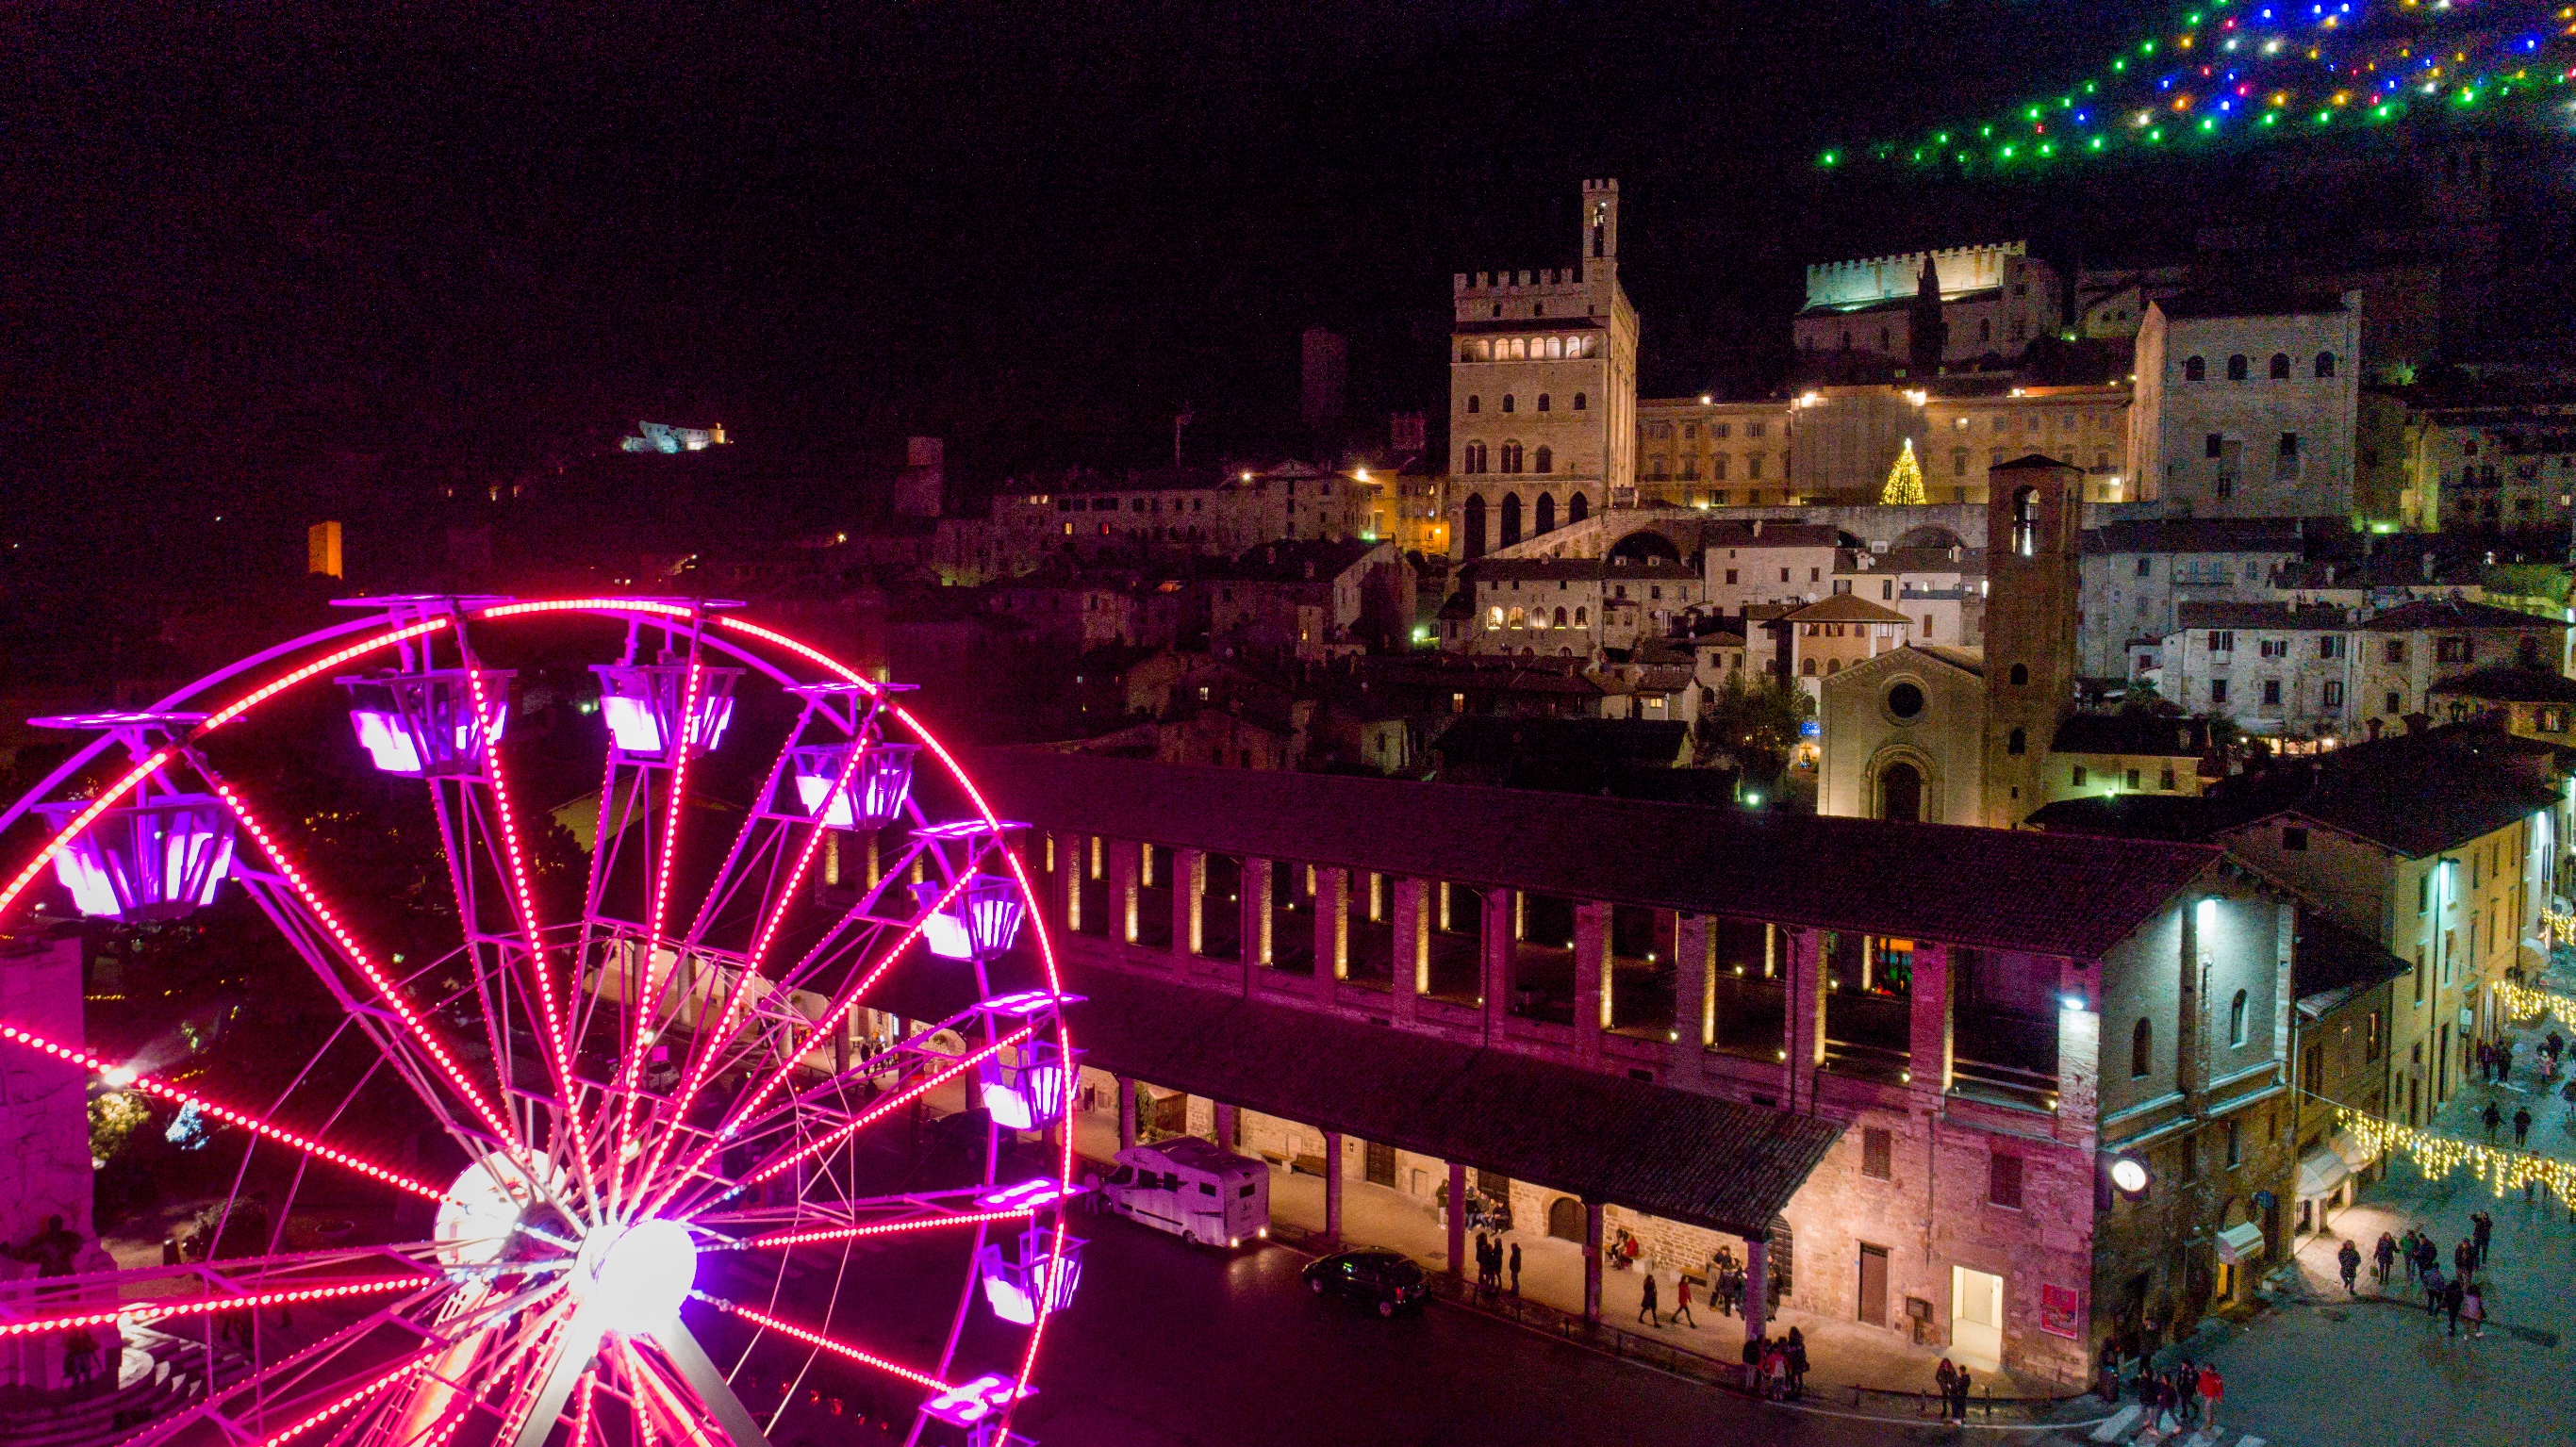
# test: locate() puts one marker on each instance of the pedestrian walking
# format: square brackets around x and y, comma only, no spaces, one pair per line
[2432,1291]
[2454,1296]
[2406,1252]
[1730,1284]
[1775,1370]
[2428,1255]
[2473,1309]
[1797,1350]
[2481,1232]
[1959,1397]
[2522,1126]
[2493,1119]
[2106,1375]
[1681,1303]
[2464,1259]
[2349,1258]
[2212,1387]
[2382,1255]
[1516,1270]
[1646,1306]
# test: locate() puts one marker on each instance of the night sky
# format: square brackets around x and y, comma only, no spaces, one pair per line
[263,258]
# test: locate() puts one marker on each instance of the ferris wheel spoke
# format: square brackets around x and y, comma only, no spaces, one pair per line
[154,1085]
[348,949]
[847,1351]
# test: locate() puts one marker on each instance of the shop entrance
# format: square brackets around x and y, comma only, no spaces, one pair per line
[1977,1318]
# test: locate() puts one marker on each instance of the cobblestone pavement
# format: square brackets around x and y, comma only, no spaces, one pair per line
[2325,1368]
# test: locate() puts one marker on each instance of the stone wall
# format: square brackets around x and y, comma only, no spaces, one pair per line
[44,1103]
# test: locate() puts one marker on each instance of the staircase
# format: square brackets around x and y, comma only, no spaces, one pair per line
[157,1374]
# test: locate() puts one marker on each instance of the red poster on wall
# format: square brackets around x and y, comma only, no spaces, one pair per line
[2059,1308]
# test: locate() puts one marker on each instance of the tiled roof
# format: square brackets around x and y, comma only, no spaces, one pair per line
[1670,1153]
[2132,733]
[2285,617]
[2203,535]
[1990,888]
[2505,684]
[2328,964]
[1845,608]
[2453,613]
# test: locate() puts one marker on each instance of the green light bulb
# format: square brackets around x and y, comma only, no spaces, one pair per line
[2097,143]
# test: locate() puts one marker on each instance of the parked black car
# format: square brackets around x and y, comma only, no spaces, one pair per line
[1387,1279]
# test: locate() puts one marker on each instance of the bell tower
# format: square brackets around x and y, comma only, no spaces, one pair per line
[2034,511]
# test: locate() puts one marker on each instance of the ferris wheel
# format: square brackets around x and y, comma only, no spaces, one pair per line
[664,1126]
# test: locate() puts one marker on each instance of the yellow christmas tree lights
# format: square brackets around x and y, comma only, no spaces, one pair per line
[1905,480]
[2523,1002]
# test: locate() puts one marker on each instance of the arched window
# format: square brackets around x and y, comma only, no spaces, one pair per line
[2142,1050]
[1494,616]
[1545,461]
[1544,519]
[2236,1020]
[1578,401]
[2020,674]
[1833,666]
[1555,346]
[1507,402]
[2016,743]
[1576,509]
[1474,527]
[2025,521]
[2193,370]
[1472,457]
[2280,366]
[1542,401]
[1807,666]
[2325,364]
[1475,403]
[1579,619]
[2235,373]
[1519,619]
[1511,518]
[1511,457]
[1560,617]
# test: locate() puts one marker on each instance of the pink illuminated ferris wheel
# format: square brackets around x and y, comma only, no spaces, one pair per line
[652,1086]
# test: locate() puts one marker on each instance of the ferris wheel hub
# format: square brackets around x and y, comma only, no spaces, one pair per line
[635,1276]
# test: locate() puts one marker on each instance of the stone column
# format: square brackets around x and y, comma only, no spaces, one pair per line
[1126,1112]
[1805,1041]
[1592,990]
[1256,913]
[1123,859]
[1332,1190]
[1757,1284]
[1457,1221]
[1497,942]
[1069,866]
[1332,924]
[1694,997]
[1225,1125]
[1929,1042]
[1592,1262]
[1412,927]
[1189,894]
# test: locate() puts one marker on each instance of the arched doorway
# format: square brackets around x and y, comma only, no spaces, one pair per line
[1565,1219]
[1547,512]
[1646,543]
[1511,518]
[1900,793]
[1576,509]
[1473,528]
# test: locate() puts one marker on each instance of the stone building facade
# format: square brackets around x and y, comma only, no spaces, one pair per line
[1542,390]
[1960,1046]
[2247,404]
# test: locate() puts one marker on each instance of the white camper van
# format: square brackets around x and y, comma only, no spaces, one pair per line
[1193,1188]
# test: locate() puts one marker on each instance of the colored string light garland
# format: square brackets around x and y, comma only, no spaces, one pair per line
[2233,68]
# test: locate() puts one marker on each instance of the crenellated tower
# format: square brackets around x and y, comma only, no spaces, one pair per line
[1543,391]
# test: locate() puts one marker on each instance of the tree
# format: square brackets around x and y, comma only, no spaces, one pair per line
[1756,723]
[1904,480]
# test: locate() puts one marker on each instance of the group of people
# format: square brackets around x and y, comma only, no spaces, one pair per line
[1779,1365]
[2457,1295]
[2173,1396]
[1647,1304]
[1492,1261]
[1953,1382]
[1725,1281]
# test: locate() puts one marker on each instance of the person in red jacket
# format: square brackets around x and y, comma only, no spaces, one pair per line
[2212,1387]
